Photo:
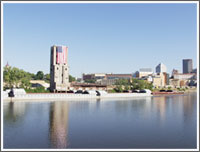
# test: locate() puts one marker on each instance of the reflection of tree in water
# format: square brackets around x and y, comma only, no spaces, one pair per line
[182,105]
[59,124]
[14,112]
[134,105]
[189,106]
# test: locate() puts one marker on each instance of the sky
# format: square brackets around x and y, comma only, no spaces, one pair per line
[101,38]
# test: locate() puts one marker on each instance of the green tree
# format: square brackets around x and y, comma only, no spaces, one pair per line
[127,87]
[122,82]
[133,84]
[39,75]
[32,75]
[90,80]
[6,77]
[47,78]
[15,77]
[118,88]
[71,78]
[141,84]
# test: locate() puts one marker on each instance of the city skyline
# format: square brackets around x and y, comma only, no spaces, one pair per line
[102,38]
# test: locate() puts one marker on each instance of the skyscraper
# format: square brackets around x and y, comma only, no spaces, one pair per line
[59,75]
[160,68]
[187,66]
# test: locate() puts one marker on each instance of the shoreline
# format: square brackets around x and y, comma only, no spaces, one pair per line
[64,96]
[43,97]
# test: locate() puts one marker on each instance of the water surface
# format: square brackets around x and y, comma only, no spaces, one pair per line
[151,122]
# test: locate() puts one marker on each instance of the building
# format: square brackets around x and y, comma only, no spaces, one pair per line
[159,80]
[161,68]
[110,79]
[118,76]
[174,83]
[187,66]
[144,72]
[39,83]
[94,76]
[166,78]
[148,78]
[87,86]
[186,76]
[194,71]
[59,71]
[174,71]
[108,82]
[183,80]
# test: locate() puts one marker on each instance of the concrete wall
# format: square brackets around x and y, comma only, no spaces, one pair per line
[64,96]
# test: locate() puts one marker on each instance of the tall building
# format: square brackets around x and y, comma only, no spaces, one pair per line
[160,68]
[59,71]
[187,66]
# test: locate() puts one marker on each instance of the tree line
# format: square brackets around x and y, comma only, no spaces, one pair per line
[122,85]
[15,77]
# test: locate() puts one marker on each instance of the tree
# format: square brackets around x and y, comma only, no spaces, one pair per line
[47,78]
[14,77]
[118,88]
[90,80]
[134,84]
[122,82]
[39,75]
[6,77]
[141,84]
[71,78]
[25,82]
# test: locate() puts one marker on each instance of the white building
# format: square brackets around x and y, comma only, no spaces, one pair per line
[160,68]
[144,72]
[185,76]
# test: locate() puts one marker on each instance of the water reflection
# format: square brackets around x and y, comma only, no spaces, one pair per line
[14,113]
[152,122]
[59,113]
[160,106]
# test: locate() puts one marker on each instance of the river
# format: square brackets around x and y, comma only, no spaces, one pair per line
[149,122]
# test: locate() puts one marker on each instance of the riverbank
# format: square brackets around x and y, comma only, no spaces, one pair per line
[64,96]
[167,93]
[173,91]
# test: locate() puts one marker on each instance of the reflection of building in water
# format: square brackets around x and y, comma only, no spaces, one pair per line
[160,103]
[59,124]
[188,107]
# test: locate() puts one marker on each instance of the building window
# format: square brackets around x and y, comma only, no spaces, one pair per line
[66,69]
[57,68]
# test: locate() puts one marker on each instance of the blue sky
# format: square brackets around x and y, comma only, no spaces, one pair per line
[102,38]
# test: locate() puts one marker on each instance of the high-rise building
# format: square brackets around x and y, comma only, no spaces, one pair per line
[59,71]
[187,66]
[160,68]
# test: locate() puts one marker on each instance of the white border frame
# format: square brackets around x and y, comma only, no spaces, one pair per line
[95,2]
